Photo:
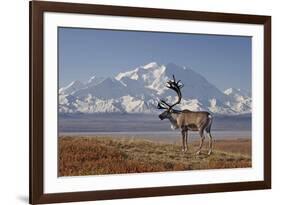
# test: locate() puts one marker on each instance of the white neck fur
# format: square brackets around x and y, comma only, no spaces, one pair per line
[173,120]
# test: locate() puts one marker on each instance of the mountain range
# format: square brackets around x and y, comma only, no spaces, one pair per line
[138,91]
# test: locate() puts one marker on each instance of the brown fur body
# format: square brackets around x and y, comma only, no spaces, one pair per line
[187,120]
[192,120]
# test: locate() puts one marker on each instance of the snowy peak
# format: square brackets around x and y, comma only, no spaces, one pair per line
[151,65]
[110,82]
[130,74]
[94,80]
[150,76]
[91,79]
[239,100]
[235,92]
[72,87]
[139,72]
[232,91]
[108,88]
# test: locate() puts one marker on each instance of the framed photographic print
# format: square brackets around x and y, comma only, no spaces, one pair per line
[138,102]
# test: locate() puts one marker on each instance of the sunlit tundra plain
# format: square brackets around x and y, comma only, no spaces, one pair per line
[98,155]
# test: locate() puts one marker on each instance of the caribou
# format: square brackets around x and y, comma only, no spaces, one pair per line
[186,120]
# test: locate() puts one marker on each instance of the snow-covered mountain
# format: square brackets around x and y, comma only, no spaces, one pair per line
[71,88]
[138,91]
[240,100]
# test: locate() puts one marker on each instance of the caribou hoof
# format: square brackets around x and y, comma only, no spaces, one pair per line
[210,152]
[184,149]
[198,152]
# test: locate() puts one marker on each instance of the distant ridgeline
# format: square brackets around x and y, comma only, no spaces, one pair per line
[135,122]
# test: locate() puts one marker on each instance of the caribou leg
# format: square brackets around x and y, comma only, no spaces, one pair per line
[210,143]
[183,139]
[202,138]
[186,139]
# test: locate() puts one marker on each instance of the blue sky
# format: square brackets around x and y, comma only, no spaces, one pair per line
[224,60]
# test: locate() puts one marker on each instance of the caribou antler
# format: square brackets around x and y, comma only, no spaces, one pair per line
[176,86]
[163,105]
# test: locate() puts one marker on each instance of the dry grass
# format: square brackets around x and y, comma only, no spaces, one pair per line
[105,155]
